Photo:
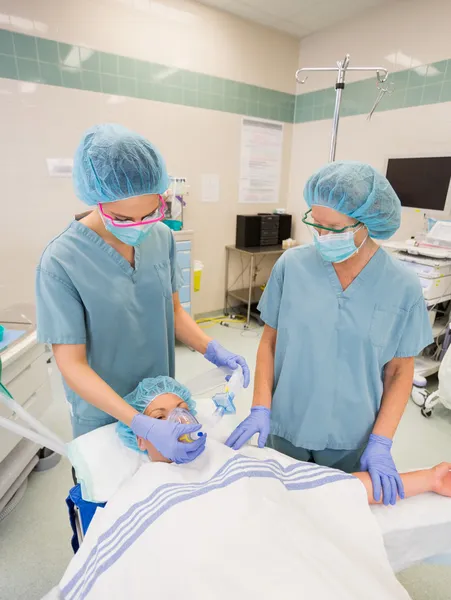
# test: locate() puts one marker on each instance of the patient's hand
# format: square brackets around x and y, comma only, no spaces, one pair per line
[442,479]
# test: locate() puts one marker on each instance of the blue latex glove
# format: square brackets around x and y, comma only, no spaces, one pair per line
[378,461]
[257,422]
[164,435]
[221,357]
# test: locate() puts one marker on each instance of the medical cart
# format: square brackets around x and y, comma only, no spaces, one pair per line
[251,259]
[433,269]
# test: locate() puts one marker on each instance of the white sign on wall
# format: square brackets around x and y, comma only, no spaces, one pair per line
[261,161]
[210,188]
[60,167]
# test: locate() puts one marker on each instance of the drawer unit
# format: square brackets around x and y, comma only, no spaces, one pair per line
[185,294]
[186,273]
[26,376]
[182,246]
[184,257]
[28,380]
[12,368]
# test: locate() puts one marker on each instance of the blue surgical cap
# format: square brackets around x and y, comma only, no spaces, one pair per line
[113,163]
[358,191]
[143,395]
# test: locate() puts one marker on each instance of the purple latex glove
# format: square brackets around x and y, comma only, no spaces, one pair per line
[257,422]
[221,357]
[378,461]
[165,435]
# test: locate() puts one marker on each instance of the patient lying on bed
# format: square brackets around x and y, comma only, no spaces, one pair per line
[157,397]
[253,524]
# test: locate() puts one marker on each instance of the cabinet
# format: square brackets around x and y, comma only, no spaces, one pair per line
[183,244]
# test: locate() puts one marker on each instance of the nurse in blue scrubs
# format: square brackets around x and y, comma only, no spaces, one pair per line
[107,291]
[343,323]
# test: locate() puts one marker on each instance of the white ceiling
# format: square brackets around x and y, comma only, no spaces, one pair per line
[296,17]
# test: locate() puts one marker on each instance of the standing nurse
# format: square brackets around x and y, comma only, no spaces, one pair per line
[107,291]
[343,321]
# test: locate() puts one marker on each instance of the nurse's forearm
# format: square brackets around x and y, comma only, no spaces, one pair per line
[398,380]
[417,482]
[188,331]
[84,381]
[264,371]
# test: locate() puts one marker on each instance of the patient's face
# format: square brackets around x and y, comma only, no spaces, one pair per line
[160,409]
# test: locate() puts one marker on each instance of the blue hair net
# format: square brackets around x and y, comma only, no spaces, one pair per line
[358,191]
[143,395]
[113,163]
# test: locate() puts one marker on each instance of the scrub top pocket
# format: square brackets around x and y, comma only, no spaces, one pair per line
[164,276]
[383,322]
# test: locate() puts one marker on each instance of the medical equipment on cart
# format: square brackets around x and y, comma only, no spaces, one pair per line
[430,260]
[342,68]
[175,203]
[427,401]
[440,235]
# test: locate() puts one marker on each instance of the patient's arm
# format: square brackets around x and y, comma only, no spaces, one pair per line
[437,479]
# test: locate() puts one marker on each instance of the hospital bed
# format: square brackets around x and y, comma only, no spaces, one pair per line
[416,530]
[111,476]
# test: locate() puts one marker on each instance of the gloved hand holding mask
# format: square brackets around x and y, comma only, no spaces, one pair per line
[170,425]
[166,435]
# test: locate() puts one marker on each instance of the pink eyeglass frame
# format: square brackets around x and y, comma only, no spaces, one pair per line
[162,207]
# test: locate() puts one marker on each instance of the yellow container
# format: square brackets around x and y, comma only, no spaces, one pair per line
[197,269]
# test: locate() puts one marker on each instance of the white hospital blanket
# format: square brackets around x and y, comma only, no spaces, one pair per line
[248,525]
[417,529]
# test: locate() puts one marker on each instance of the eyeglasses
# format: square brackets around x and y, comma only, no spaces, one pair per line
[316,226]
[153,217]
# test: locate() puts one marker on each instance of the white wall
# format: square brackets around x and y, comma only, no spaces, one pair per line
[418,30]
[398,36]
[39,122]
[180,33]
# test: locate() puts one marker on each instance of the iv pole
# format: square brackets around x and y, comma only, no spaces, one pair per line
[341,69]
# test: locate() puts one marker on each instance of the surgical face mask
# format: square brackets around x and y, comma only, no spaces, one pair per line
[337,247]
[132,236]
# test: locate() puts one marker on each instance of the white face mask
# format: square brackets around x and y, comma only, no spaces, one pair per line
[337,247]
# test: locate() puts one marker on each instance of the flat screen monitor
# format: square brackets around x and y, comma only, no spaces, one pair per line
[422,183]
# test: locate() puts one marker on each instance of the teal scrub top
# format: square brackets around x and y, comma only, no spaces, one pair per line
[332,345]
[87,293]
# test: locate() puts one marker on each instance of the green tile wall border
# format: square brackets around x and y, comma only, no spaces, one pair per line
[427,84]
[39,60]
